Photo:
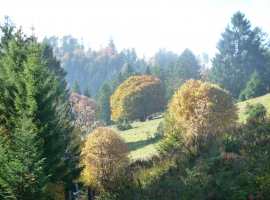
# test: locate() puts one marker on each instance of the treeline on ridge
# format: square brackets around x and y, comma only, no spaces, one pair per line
[44,128]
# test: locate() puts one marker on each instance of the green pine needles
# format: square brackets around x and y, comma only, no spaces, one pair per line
[36,135]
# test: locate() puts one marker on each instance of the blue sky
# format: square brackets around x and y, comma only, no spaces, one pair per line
[146,25]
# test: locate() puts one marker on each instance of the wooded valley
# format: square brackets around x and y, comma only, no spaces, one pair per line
[74,115]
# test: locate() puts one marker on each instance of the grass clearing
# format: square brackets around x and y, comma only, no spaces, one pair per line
[264,100]
[137,138]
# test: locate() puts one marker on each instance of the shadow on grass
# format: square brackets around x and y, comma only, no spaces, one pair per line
[141,144]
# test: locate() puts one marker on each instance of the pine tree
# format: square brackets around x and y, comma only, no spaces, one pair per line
[254,88]
[188,66]
[7,29]
[128,71]
[104,103]
[33,84]
[76,88]
[159,72]
[241,51]
[86,91]
[117,81]
[147,71]
[11,66]
[111,42]
[172,81]
[21,168]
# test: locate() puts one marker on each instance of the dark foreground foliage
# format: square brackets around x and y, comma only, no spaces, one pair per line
[236,166]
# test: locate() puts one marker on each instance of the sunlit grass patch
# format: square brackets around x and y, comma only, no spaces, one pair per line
[138,140]
[264,100]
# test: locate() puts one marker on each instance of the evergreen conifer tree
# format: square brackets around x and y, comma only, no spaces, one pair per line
[147,71]
[86,91]
[159,72]
[188,66]
[172,82]
[254,88]
[33,86]
[76,88]
[104,103]
[21,170]
[241,51]
[117,81]
[129,71]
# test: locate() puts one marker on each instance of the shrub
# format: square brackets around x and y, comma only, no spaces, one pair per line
[256,112]
[104,155]
[159,134]
[173,139]
[254,88]
[203,110]
[123,124]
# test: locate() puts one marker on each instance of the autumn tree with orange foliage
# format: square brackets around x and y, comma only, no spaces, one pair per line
[203,110]
[137,97]
[104,155]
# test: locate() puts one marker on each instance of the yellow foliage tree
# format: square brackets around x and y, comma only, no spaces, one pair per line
[104,155]
[137,97]
[203,109]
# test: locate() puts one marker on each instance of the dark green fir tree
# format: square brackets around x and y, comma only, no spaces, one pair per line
[240,52]
[34,87]
[187,66]
[254,88]
[104,103]
[21,170]
[147,71]
[76,88]
[86,91]
[160,73]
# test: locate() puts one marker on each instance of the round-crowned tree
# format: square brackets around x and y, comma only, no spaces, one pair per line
[85,112]
[203,110]
[137,97]
[104,155]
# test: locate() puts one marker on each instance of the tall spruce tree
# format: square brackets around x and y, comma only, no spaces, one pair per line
[21,170]
[187,66]
[117,81]
[86,91]
[104,103]
[128,71]
[33,86]
[172,81]
[76,88]
[122,76]
[159,72]
[147,71]
[240,54]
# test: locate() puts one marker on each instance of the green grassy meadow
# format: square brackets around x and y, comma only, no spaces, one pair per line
[264,100]
[137,138]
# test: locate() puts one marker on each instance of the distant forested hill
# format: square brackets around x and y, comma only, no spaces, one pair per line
[94,67]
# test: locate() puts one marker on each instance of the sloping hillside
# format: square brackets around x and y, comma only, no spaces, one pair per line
[264,100]
[139,138]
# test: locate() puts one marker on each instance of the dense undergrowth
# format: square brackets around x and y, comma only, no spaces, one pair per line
[235,166]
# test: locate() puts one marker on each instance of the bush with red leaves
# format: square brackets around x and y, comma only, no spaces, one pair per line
[85,112]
